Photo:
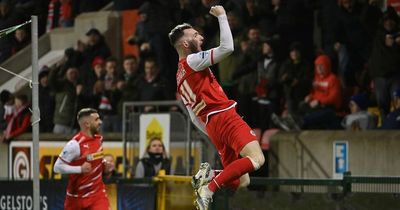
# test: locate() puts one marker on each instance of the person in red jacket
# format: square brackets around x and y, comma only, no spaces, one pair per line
[20,121]
[320,106]
[326,90]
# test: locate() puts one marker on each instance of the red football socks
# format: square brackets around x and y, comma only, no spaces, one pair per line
[231,173]
[233,185]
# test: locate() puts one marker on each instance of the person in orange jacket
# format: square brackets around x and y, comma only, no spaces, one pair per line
[320,106]
[326,91]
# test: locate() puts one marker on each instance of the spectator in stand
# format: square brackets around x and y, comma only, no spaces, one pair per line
[295,74]
[66,18]
[246,74]
[46,102]
[5,100]
[371,16]
[59,14]
[351,41]
[41,10]
[90,77]
[53,15]
[141,38]
[384,62]
[320,106]
[67,90]
[20,121]
[9,108]
[392,121]
[106,101]
[110,173]
[95,46]
[130,70]
[159,20]
[108,96]
[20,40]
[127,81]
[152,86]
[268,89]
[153,160]
[111,76]
[8,17]
[70,58]
[359,118]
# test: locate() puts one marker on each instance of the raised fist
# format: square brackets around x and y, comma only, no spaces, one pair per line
[217,10]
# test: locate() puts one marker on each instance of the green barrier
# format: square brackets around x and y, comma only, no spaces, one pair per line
[351,192]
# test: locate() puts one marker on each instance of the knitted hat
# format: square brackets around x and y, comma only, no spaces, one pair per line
[361,100]
[97,60]
[93,31]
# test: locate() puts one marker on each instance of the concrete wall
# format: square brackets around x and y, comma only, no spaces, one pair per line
[309,154]
[108,23]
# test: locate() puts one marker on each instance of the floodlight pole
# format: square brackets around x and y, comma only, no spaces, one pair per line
[35,114]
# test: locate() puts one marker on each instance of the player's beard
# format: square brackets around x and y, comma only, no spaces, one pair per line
[193,48]
[94,129]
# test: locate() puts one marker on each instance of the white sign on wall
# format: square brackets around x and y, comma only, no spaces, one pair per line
[340,158]
[154,125]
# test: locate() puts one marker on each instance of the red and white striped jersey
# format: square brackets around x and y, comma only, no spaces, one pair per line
[82,149]
[197,86]
[200,91]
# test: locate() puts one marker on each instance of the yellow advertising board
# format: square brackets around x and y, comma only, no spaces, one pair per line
[20,156]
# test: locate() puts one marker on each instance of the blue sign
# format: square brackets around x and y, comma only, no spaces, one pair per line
[340,158]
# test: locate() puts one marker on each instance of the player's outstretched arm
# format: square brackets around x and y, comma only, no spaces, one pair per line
[204,59]
[225,47]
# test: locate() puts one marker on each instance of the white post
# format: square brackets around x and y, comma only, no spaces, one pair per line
[35,114]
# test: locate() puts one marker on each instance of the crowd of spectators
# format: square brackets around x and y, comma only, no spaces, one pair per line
[278,75]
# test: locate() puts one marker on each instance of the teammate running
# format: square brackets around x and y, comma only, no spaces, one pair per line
[82,159]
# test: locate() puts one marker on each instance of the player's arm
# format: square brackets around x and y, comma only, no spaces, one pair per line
[201,60]
[70,152]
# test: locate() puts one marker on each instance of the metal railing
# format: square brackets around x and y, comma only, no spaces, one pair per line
[130,129]
[349,184]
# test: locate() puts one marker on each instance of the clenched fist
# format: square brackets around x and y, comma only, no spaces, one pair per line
[86,167]
[217,10]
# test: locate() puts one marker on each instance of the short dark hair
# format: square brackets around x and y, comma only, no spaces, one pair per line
[177,32]
[111,59]
[129,56]
[151,60]
[85,112]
